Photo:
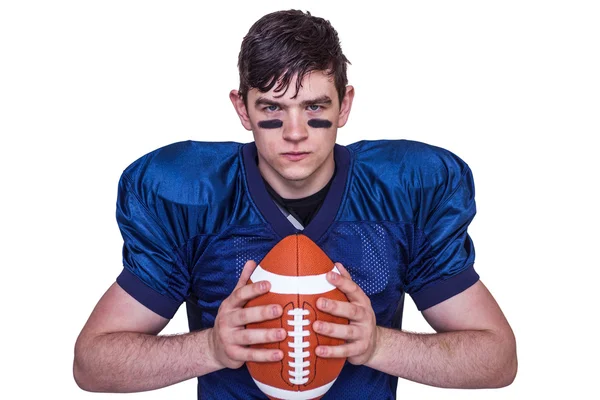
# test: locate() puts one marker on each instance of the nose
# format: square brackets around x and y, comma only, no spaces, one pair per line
[295,127]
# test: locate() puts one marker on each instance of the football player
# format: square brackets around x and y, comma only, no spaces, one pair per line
[393,214]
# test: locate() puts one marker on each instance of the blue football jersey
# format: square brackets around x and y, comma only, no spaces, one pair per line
[396,216]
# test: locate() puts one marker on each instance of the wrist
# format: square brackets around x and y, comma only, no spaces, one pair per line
[205,343]
[379,348]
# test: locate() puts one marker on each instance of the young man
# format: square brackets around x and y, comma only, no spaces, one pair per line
[393,215]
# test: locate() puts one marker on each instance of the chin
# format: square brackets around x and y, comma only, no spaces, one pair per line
[296,174]
[295,177]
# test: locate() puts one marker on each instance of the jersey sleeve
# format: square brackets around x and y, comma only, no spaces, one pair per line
[153,271]
[443,254]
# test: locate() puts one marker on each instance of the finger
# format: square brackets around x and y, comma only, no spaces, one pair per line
[247,271]
[246,337]
[338,331]
[351,311]
[343,270]
[240,296]
[258,355]
[340,351]
[346,285]
[250,315]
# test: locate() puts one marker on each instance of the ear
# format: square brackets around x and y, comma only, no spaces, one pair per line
[346,106]
[240,108]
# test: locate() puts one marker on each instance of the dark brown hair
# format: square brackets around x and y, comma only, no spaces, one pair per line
[290,43]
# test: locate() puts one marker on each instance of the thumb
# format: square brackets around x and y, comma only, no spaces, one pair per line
[247,271]
[343,271]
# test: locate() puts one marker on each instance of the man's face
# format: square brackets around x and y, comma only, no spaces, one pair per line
[295,136]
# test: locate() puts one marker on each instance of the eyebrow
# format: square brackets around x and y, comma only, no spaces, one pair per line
[268,102]
[261,101]
[318,100]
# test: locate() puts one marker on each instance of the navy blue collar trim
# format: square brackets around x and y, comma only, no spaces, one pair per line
[267,207]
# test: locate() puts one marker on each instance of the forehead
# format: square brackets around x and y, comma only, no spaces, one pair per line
[314,84]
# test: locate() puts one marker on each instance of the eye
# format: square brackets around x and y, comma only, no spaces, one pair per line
[271,108]
[314,107]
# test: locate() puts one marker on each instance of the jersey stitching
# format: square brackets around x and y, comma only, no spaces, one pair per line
[452,194]
[174,249]
[345,196]
[426,236]
[245,185]
[243,175]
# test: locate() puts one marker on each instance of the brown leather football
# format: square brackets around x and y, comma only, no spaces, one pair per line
[296,268]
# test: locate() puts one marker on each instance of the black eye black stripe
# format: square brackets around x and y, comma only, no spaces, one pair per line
[277,123]
[270,124]
[319,123]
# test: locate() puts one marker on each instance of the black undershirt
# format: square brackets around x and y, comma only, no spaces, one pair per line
[302,209]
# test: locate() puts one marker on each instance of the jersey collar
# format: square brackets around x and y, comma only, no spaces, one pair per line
[267,207]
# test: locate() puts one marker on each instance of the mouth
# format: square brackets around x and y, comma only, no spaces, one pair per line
[295,155]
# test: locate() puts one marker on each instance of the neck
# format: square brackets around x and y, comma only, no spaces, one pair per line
[298,188]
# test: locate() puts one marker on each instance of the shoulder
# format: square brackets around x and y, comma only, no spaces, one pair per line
[182,170]
[412,163]
[183,158]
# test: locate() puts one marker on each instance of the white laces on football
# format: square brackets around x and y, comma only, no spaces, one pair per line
[300,372]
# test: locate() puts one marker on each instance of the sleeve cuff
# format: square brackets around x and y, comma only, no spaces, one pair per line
[442,290]
[162,305]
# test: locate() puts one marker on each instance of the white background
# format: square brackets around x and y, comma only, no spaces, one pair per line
[512,87]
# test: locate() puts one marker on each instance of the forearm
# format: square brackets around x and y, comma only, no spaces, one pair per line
[460,359]
[133,362]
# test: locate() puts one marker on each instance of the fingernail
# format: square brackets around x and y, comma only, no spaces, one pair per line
[263,286]
[333,276]
[323,303]
[276,356]
[275,311]
[280,334]
[317,326]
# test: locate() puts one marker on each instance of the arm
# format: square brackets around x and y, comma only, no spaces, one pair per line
[474,346]
[119,349]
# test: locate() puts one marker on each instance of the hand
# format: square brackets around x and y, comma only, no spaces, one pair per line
[229,340]
[361,332]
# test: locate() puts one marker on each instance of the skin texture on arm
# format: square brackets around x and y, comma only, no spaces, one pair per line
[474,346]
[119,349]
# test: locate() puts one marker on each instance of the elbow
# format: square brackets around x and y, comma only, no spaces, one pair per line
[507,366]
[80,378]
[507,374]
[82,374]
[87,380]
